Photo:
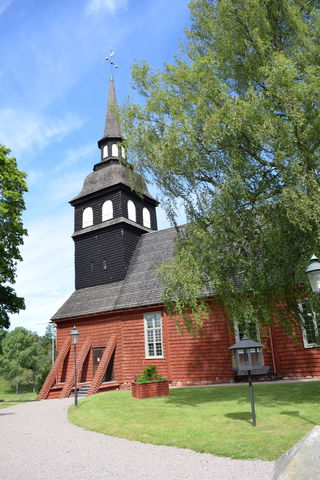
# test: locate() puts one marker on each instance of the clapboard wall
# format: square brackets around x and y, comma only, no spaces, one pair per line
[119,197]
[186,360]
[103,256]
[292,359]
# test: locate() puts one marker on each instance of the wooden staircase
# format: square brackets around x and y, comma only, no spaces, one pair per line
[103,365]
[83,389]
[81,357]
[51,378]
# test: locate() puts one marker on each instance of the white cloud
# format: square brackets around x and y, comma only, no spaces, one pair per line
[61,189]
[74,155]
[34,176]
[97,6]
[23,131]
[45,277]
[4,5]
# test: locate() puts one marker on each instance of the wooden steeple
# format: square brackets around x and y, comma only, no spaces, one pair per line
[110,217]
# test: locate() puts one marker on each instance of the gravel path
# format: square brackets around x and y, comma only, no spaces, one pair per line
[38,443]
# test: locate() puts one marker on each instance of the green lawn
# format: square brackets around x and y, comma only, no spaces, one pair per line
[9,396]
[216,420]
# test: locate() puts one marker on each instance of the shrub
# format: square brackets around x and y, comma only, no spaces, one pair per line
[149,375]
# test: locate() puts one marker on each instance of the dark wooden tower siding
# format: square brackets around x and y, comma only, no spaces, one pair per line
[119,195]
[103,256]
[103,248]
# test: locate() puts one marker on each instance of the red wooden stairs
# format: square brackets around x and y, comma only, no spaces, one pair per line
[51,378]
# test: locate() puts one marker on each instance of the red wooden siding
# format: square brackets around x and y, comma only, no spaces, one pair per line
[187,360]
[100,330]
[205,359]
[292,358]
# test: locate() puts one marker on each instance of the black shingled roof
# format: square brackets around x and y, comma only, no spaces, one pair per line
[141,286]
[107,176]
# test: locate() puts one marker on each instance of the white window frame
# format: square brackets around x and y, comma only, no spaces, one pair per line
[146,217]
[132,212]
[153,330]
[107,210]
[87,217]
[237,332]
[105,151]
[114,150]
[316,325]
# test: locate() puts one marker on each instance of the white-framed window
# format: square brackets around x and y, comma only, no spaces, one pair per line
[253,332]
[105,151]
[146,218]
[123,152]
[132,214]
[107,210]
[153,335]
[310,326]
[115,150]
[87,217]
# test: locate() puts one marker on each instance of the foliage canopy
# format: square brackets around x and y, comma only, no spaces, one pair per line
[231,129]
[12,188]
[25,357]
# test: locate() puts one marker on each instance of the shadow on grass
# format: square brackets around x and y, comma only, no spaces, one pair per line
[244,416]
[295,413]
[267,395]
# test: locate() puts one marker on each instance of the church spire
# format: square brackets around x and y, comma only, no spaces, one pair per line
[112,127]
[110,143]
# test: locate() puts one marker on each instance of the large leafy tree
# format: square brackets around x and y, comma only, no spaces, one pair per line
[3,334]
[12,188]
[231,129]
[25,357]
[19,360]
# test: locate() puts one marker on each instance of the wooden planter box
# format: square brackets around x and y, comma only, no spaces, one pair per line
[152,389]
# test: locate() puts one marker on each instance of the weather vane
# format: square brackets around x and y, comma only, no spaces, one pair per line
[110,59]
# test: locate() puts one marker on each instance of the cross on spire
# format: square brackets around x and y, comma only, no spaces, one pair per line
[110,59]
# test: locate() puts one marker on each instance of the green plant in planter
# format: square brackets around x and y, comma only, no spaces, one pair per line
[149,375]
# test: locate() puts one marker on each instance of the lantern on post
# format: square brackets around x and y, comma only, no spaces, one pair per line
[247,356]
[74,339]
[313,272]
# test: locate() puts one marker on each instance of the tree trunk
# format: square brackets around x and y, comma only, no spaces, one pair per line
[17,388]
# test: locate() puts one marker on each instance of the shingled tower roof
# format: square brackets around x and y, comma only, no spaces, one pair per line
[112,127]
[110,172]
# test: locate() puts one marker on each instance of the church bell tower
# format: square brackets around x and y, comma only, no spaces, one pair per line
[109,217]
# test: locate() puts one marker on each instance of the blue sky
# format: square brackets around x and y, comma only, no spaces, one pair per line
[53,91]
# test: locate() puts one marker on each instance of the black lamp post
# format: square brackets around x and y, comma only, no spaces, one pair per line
[247,355]
[313,272]
[74,339]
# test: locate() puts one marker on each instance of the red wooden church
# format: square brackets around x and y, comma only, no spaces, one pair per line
[117,306]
